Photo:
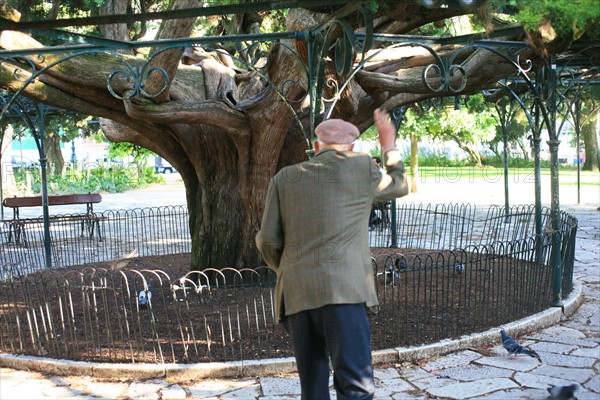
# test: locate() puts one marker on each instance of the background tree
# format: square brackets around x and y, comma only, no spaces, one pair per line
[139,155]
[226,128]
[414,128]
[590,112]
[518,130]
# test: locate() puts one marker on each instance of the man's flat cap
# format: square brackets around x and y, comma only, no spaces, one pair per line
[336,131]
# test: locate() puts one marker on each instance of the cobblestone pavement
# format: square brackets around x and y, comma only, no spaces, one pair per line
[569,352]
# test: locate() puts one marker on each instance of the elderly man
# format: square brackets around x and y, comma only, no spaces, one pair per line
[314,233]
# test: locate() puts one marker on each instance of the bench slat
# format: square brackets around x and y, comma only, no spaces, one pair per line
[61,200]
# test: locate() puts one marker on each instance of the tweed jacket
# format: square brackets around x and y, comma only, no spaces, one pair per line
[314,230]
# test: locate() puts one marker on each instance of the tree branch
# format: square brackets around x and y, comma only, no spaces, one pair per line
[210,112]
[169,60]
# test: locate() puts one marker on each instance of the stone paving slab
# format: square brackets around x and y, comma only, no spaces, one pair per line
[583,394]
[280,386]
[593,384]
[433,382]
[565,340]
[561,360]
[520,363]
[471,389]
[208,388]
[530,380]
[414,373]
[570,374]
[462,357]
[386,374]
[249,392]
[553,347]
[595,353]
[173,392]
[563,332]
[107,390]
[145,390]
[513,394]
[474,372]
[393,386]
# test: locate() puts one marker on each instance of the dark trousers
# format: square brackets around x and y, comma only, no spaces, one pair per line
[342,333]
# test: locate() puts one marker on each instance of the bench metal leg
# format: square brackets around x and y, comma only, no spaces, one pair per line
[91,226]
[17,230]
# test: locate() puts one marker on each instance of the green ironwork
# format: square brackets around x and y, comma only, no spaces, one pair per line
[397,115]
[577,124]
[233,8]
[33,115]
[506,109]
[331,66]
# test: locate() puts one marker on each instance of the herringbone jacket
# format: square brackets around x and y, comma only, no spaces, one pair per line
[314,230]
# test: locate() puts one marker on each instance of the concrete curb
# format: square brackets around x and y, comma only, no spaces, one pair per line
[237,369]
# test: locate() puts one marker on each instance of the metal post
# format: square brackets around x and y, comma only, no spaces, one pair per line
[577,123]
[553,142]
[505,162]
[397,115]
[556,259]
[506,112]
[39,141]
[538,195]
[46,214]
[535,143]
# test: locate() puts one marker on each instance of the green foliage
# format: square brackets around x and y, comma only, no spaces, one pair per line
[568,17]
[440,160]
[124,149]
[476,104]
[498,162]
[113,179]
[59,123]
[469,125]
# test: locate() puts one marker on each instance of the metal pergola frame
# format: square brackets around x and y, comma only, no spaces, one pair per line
[542,80]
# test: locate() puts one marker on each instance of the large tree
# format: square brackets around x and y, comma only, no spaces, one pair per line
[228,130]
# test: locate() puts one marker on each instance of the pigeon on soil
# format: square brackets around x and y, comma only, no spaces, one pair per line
[143,298]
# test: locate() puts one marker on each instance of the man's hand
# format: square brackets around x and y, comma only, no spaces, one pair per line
[385,129]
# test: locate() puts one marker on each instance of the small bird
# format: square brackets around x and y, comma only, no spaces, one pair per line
[562,392]
[401,264]
[514,348]
[459,268]
[392,273]
[143,298]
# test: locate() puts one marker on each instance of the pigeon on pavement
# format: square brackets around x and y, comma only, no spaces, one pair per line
[562,392]
[514,348]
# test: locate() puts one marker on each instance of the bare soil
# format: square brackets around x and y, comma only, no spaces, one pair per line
[424,303]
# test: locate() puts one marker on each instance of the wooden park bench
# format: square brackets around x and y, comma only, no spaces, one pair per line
[89,220]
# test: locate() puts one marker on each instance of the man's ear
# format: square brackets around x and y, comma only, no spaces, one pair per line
[317,146]
[351,147]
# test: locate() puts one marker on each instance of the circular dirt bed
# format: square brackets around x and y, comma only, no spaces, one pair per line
[424,297]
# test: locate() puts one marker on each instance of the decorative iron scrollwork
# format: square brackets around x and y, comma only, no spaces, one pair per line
[136,76]
[445,73]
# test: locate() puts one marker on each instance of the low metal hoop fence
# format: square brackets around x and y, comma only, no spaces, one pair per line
[455,271]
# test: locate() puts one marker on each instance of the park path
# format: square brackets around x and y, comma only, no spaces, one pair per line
[569,350]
